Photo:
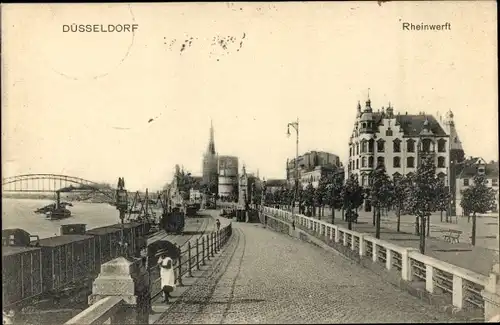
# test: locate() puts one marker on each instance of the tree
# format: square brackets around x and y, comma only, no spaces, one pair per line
[333,195]
[352,195]
[400,186]
[478,198]
[309,194]
[443,197]
[421,197]
[320,195]
[381,191]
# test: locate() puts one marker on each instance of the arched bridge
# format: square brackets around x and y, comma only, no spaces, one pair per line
[49,183]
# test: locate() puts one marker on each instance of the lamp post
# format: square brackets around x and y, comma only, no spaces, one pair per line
[295,125]
[122,206]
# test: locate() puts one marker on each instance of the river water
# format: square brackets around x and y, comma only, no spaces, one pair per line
[19,213]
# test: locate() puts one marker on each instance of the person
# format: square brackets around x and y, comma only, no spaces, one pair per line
[167,275]
[218,224]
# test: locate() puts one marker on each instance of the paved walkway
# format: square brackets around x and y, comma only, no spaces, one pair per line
[265,277]
[476,258]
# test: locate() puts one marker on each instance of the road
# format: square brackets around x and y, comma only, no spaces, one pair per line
[265,277]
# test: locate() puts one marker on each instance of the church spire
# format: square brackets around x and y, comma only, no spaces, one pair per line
[211,143]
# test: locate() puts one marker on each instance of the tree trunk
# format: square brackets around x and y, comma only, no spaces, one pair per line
[377,227]
[374,216]
[441,215]
[473,239]
[468,217]
[417,227]
[343,214]
[398,215]
[422,236]
[333,216]
[428,226]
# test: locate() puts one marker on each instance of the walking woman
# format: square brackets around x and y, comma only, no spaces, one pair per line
[167,275]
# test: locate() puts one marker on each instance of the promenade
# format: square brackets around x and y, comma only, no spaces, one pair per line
[265,277]
[477,258]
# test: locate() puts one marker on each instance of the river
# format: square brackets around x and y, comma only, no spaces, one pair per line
[19,213]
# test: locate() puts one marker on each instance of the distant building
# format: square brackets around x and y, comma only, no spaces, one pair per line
[210,177]
[228,177]
[194,195]
[308,162]
[313,176]
[273,185]
[398,141]
[471,167]
[247,185]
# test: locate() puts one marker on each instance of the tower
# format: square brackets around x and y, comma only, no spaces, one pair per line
[210,176]
[457,153]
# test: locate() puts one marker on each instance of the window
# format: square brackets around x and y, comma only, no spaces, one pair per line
[441,145]
[370,145]
[442,177]
[410,162]
[441,162]
[363,146]
[396,175]
[370,162]
[363,180]
[388,133]
[466,182]
[357,163]
[350,151]
[380,161]
[426,145]
[363,125]
[480,170]
[357,148]
[396,145]
[380,145]
[363,162]
[396,162]
[410,145]
[494,182]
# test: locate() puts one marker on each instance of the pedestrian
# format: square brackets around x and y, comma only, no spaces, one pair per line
[167,275]
[218,224]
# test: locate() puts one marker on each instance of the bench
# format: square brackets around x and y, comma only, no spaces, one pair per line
[452,236]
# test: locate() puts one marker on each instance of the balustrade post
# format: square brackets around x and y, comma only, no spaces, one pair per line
[353,241]
[337,238]
[388,258]
[344,238]
[197,255]
[406,273]
[374,251]
[429,278]
[213,244]
[190,264]
[362,246]
[458,294]
[208,248]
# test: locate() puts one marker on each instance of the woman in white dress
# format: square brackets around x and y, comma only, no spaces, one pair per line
[167,275]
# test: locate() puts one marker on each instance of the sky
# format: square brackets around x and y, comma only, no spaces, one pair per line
[78,104]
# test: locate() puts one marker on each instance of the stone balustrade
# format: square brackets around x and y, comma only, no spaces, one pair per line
[462,288]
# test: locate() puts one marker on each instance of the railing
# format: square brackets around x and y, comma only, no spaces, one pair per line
[460,286]
[194,254]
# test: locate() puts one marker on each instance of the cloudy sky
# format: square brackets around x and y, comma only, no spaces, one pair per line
[79,103]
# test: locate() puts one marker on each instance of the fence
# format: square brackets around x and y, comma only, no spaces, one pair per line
[461,287]
[194,254]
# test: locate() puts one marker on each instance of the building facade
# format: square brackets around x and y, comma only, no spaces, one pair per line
[247,184]
[308,163]
[398,141]
[210,177]
[228,177]
[315,175]
[471,167]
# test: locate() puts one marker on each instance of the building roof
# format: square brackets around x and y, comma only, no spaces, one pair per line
[11,250]
[62,240]
[469,168]
[413,125]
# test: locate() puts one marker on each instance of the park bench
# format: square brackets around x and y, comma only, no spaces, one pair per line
[452,235]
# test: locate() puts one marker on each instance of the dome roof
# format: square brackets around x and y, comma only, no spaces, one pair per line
[367,116]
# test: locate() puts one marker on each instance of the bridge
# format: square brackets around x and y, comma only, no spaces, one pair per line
[52,183]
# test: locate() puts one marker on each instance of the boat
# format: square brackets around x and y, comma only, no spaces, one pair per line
[57,214]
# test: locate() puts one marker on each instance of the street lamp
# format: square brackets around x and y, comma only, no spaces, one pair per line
[122,206]
[295,125]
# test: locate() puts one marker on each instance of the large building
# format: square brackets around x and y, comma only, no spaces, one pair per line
[314,176]
[470,168]
[210,177]
[399,141]
[308,164]
[228,177]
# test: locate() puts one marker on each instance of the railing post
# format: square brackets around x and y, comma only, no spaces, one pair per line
[405,266]
[388,258]
[429,278]
[374,251]
[203,250]
[197,255]
[190,264]
[179,268]
[458,294]
[362,247]
[208,248]
[213,244]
